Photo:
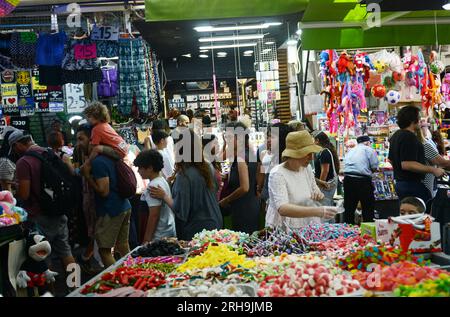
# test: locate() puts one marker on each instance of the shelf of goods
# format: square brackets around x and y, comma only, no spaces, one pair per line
[317,260]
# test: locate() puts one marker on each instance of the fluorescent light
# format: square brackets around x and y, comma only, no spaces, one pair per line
[446,6]
[203,56]
[204,51]
[227,46]
[236,27]
[231,38]
[187,55]
[269,43]
[222,54]
[299,32]
[248,52]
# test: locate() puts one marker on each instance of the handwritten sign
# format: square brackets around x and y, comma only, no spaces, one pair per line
[76,102]
[106,33]
[85,51]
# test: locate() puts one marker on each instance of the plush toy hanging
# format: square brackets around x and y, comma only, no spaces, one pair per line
[379,91]
[34,271]
[445,88]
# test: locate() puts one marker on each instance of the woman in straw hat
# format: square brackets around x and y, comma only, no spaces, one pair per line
[293,193]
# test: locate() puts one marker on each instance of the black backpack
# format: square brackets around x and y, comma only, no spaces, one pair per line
[56,197]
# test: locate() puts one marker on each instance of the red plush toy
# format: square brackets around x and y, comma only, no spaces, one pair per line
[379,91]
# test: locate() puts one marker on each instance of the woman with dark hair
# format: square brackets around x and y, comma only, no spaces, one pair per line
[55,141]
[241,198]
[271,157]
[326,166]
[436,136]
[194,190]
[7,166]
[211,151]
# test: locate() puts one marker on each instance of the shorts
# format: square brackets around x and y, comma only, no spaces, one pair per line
[50,75]
[110,231]
[56,232]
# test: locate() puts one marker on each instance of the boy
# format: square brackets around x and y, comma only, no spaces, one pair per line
[160,139]
[103,135]
[160,221]
[411,206]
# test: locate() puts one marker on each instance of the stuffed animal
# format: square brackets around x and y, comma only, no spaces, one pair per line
[10,214]
[379,91]
[445,87]
[34,271]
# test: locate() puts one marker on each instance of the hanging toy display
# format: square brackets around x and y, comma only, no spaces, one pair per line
[378,91]
[437,67]
[393,97]
[445,88]
[380,66]
[7,6]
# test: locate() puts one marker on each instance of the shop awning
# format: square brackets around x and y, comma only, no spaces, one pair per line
[176,10]
[343,24]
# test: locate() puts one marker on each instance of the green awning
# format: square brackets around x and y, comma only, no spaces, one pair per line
[175,10]
[420,31]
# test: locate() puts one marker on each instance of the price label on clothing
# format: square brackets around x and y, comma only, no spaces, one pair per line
[107,33]
[85,51]
[76,102]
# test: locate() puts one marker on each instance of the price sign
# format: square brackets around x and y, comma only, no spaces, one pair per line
[76,102]
[20,123]
[107,33]
[85,51]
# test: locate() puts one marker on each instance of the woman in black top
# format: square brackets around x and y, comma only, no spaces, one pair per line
[326,166]
[241,199]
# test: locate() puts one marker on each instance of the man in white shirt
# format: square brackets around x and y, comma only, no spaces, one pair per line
[360,162]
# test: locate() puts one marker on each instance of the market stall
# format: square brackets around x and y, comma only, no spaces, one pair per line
[317,260]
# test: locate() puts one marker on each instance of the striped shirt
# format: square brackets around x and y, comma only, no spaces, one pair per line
[431,152]
[7,169]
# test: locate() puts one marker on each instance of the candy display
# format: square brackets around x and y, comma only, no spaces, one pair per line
[390,277]
[308,280]
[139,278]
[273,241]
[431,288]
[215,256]
[319,260]
[327,231]
[382,255]
[231,238]
[158,248]
[10,214]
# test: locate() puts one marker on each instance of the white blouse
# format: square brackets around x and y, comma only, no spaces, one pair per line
[289,187]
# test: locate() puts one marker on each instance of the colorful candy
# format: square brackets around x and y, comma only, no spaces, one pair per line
[273,241]
[390,277]
[431,288]
[158,248]
[130,261]
[307,281]
[215,256]
[314,233]
[341,246]
[382,255]
[225,236]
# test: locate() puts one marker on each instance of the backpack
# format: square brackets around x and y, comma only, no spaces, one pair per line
[126,180]
[56,196]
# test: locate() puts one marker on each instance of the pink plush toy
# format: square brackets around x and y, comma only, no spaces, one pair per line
[445,88]
[10,214]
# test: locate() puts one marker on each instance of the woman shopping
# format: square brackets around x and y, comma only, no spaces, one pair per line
[294,197]
[193,200]
[239,196]
[326,167]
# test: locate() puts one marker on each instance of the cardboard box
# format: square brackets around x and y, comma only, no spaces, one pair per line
[408,237]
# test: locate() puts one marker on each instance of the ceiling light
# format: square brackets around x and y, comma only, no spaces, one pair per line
[267,50]
[227,46]
[235,27]
[269,43]
[204,51]
[222,54]
[203,56]
[231,38]
[299,32]
[446,6]
[248,52]
[187,55]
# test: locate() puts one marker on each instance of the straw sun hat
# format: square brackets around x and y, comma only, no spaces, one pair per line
[300,144]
